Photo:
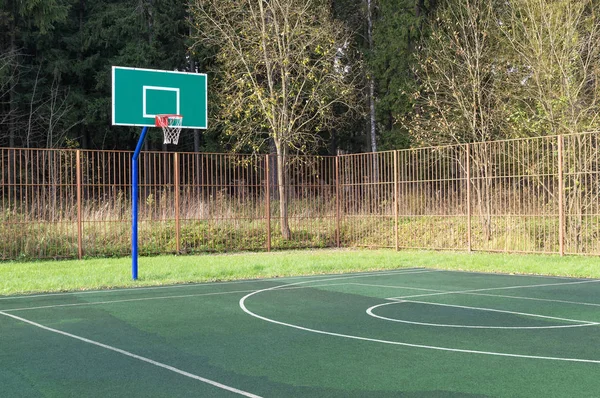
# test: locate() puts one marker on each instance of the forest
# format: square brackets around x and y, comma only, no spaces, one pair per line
[392,74]
[468,124]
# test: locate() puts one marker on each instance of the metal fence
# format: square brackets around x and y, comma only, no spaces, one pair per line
[537,195]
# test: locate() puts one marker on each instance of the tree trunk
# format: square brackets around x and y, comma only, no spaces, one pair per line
[12,106]
[196,134]
[282,184]
[372,124]
[150,23]
[372,121]
[84,133]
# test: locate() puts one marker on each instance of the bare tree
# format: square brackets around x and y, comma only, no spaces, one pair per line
[460,91]
[9,76]
[458,97]
[556,46]
[8,64]
[371,80]
[286,72]
[57,108]
[556,52]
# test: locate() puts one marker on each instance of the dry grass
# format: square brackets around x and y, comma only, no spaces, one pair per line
[222,224]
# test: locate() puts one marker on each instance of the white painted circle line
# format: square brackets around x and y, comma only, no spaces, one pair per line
[578,323]
[139,357]
[242,304]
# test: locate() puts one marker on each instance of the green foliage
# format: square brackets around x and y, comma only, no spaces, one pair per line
[396,34]
[65,52]
[538,71]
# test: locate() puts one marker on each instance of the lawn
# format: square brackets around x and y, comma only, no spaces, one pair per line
[107,273]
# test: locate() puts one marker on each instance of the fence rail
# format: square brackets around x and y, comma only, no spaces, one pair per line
[536,195]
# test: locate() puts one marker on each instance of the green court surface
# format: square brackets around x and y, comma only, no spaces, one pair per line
[404,333]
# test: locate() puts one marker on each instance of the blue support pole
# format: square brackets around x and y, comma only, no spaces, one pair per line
[134,205]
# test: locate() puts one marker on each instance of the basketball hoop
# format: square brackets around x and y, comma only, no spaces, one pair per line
[171,126]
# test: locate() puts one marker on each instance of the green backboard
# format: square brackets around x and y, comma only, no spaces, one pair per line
[138,95]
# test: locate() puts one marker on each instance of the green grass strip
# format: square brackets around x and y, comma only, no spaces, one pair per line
[73,275]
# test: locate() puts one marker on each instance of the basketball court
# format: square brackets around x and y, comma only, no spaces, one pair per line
[410,332]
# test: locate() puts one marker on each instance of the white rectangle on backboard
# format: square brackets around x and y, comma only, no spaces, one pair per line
[156,88]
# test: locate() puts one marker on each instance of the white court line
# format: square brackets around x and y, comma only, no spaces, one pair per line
[139,357]
[123,301]
[131,289]
[283,287]
[536,299]
[503,311]
[460,271]
[578,323]
[179,371]
[201,284]
[137,289]
[398,287]
[491,288]
[158,298]
[242,304]
[473,294]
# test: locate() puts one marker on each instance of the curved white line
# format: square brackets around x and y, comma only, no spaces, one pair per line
[242,304]
[579,322]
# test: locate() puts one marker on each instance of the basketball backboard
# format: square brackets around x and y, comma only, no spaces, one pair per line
[138,95]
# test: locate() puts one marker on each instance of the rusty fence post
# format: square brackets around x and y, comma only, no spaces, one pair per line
[468,170]
[79,215]
[561,198]
[268,201]
[177,206]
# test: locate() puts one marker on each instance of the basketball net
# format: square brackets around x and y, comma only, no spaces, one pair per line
[171,127]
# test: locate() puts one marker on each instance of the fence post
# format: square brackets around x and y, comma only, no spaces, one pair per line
[79,215]
[337,200]
[396,199]
[561,198]
[468,167]
[268,201]
[177,207]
